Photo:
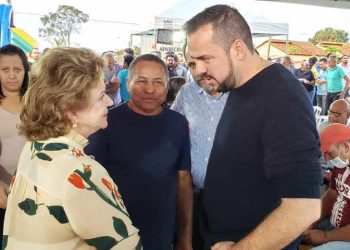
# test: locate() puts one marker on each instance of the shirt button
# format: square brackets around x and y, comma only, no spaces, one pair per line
[209,139]
[211,119]
[206,159]
[214,101]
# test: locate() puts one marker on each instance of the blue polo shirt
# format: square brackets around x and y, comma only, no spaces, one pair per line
[334,79]
[322,88]
[124,93]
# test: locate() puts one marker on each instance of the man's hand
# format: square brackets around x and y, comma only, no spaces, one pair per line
[315,237]
[223,245]
[327,176]
[3,196]
[184,200]
[113,85]
[342,95]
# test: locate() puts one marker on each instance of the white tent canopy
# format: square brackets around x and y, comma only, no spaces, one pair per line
[343,4]
[260,26]
[263,29]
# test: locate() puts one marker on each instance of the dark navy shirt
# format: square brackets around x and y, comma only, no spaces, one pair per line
[143,155]
[308,75]
[266,148]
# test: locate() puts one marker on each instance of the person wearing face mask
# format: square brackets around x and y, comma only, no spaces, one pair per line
[332,230]
[338,112]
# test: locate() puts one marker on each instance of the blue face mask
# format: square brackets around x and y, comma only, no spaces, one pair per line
[339,163]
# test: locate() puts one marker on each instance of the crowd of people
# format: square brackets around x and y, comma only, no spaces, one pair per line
[324,79]
[213,148]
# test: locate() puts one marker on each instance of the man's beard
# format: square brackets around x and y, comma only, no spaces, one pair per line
[229,82]
[206,87]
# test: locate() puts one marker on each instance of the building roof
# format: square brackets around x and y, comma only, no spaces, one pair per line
[343,48]
[296,47]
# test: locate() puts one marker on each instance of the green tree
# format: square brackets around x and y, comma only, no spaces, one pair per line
[331,49]
[59,26]
[292,50]
[331,35]
[137,50]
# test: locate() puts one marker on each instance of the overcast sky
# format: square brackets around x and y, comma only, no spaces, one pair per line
[134,15]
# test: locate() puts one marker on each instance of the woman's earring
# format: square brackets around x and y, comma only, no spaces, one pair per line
[75,124]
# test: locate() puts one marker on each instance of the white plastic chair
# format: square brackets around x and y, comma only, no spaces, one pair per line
[317,111]
[320,119]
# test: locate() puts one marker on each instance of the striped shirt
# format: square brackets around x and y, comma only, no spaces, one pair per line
[203,113]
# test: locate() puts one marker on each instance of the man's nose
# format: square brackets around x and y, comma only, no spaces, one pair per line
[201,68]
[149,88]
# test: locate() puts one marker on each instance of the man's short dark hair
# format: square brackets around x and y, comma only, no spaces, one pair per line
[228,25]
[323,60]
[129,51]
[171,55]
[128,59]
[148,58]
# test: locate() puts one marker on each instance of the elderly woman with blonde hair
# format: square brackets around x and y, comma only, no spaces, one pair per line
[61,198]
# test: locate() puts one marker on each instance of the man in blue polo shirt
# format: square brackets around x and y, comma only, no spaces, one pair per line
[335,76]
[122,76]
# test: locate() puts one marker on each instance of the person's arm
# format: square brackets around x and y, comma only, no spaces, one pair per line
[346,86]
[317,237]
[312,80]
[112,85]
[184,197]
[296,181]
[321,81]
[327,203]
[296,214]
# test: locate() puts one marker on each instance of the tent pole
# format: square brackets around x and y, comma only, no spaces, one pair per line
[268,48]
[287,44]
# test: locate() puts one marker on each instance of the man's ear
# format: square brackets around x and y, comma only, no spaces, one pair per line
[238,49]
[346,146]
[128,84]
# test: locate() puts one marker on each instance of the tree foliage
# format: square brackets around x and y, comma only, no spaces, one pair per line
[292,50]
[331,35]
[120,53]
[331,49]
[60,25]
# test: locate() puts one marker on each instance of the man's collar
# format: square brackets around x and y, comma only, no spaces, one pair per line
[200,90]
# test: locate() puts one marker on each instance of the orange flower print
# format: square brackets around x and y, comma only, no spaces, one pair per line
[107,184]
[87,168]
[77,153]
[76,180]
[117,196]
